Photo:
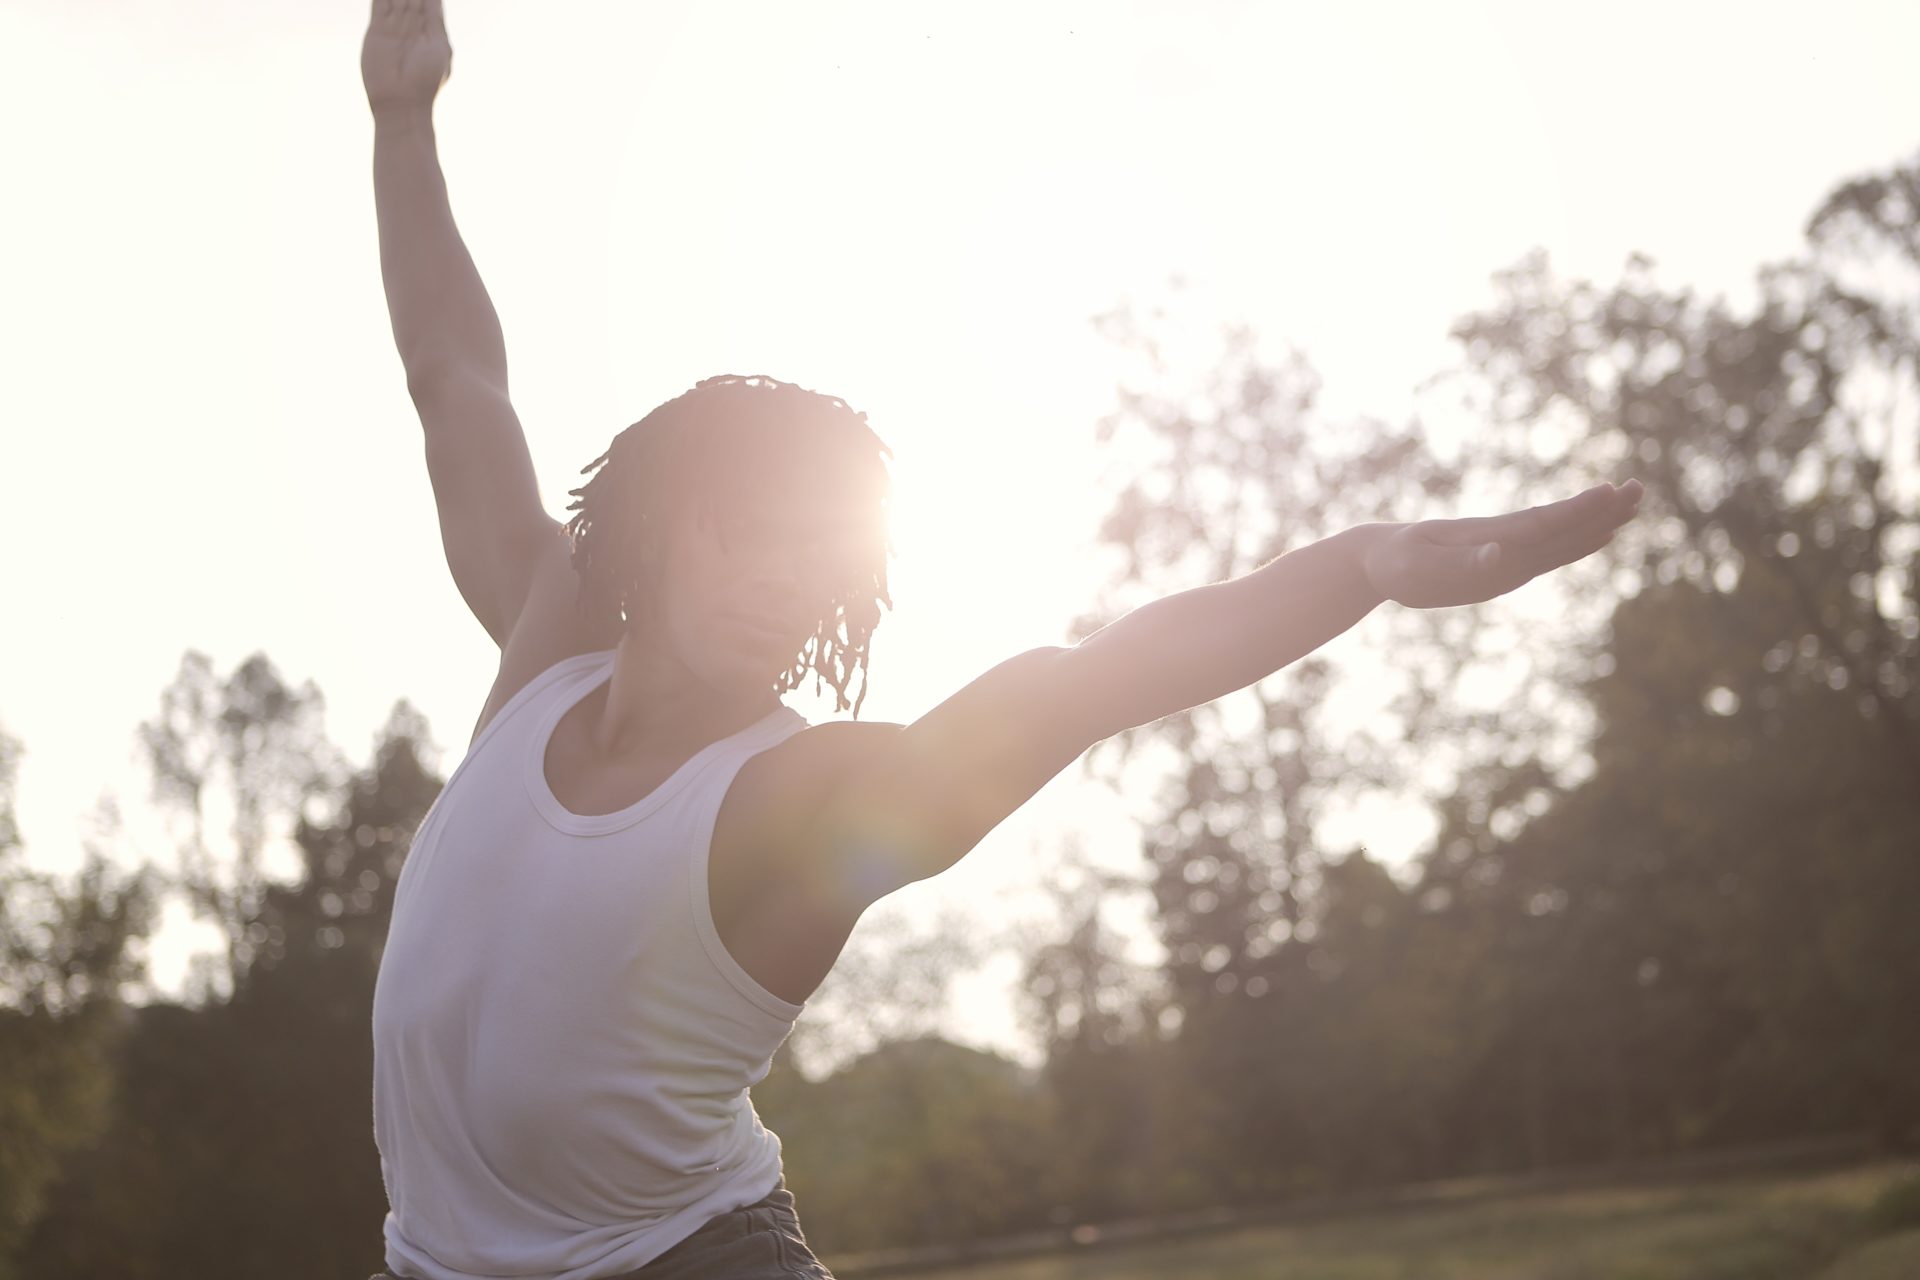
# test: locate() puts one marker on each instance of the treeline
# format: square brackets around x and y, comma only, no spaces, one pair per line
[231,1135]
[1668,899]
[1666,903]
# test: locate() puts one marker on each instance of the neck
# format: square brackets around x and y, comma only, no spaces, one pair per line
[654,705]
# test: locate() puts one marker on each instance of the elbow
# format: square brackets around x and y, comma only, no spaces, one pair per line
[433,375]
[427,379]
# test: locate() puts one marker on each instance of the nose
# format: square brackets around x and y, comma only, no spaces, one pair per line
[778,581]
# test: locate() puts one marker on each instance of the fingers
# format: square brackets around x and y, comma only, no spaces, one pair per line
[403,18]
[1538,524]
[1576,544]
[1450,562]
[1582,530]
[1601,505]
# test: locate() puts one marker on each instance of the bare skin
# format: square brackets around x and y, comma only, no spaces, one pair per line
[815,830]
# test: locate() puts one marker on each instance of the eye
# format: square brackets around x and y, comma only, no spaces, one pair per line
[747,533]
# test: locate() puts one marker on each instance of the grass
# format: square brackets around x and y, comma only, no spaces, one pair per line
[1781,1227]
[1894,1257]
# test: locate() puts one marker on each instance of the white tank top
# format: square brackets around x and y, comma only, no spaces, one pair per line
[561,1045]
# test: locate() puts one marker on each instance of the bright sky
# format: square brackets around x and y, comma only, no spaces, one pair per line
[916,207]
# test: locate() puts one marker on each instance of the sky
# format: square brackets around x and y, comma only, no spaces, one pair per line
[208,442]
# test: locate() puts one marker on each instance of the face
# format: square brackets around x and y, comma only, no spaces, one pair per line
[742,591]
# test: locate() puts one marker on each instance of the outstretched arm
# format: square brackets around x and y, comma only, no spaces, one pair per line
[1205,643]
[445,328]
[908,801]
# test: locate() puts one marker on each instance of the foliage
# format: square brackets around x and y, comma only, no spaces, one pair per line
[240,1142]
[920,1140]
[1665,900]
[1100,1017]
[256,744]
[892,982]
[1664,905]
[65,951]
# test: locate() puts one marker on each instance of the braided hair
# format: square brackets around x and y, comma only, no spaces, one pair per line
[709,451]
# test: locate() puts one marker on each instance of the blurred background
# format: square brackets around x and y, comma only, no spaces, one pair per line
[1567,936]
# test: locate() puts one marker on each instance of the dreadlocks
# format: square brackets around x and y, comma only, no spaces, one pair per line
[707,451]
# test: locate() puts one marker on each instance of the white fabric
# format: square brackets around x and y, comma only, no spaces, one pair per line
[562,1046]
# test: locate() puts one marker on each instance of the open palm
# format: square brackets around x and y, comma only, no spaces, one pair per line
[1436,563]
[406,57]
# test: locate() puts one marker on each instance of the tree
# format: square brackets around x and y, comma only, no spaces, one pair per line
[1588,961]
[919,1142]
[240,1143]
[249,743]
[1101,1017]
[1757,723]
[892,983]
[64,956]
[1231,474]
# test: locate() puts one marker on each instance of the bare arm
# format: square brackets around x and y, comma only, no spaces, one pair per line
[914,799]
[445,327]
[1205,643]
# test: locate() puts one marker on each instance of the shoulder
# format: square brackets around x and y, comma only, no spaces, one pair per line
[549,629]
[773,824]
[827,749]
[792,780]
[783,898]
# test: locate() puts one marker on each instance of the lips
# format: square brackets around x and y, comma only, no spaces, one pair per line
[764,627]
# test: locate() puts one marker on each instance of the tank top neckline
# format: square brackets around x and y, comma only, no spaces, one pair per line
[566,820]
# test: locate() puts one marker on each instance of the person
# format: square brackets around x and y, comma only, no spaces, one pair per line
[646,863]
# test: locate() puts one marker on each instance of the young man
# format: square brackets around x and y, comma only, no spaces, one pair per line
[645,863]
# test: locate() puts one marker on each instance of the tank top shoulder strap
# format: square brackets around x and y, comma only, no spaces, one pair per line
[539,690]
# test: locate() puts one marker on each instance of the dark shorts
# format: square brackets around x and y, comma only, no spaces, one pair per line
[763,1241]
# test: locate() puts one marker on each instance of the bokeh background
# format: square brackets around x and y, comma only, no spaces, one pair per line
[1615,872]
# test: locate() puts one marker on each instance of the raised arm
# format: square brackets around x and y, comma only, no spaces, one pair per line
[444,325]
[908,801]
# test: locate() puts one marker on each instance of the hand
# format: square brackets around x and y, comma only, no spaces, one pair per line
[1436,563]
[405,58]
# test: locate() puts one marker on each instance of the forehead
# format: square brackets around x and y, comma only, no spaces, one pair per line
[797,489]
[808,509]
